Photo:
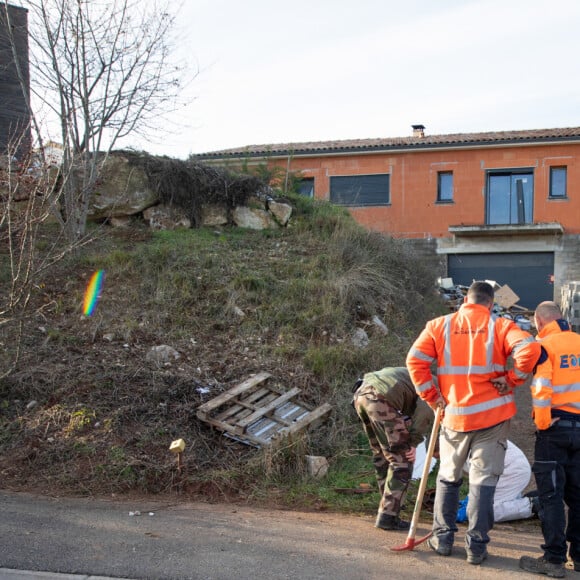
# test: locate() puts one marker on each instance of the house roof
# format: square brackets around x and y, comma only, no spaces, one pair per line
[455,140]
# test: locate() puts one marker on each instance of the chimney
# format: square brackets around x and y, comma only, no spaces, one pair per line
[418,131]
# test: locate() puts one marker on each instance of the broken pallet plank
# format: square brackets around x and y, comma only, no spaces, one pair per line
[232,393]
[311,417]
[243,423]
[241,405]
[290,413]
[247,410]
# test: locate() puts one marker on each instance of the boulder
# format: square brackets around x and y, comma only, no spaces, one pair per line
[360,339]
[165,217]
[122,190]
[162,355]
[280,211]
[214,215]
[252,218]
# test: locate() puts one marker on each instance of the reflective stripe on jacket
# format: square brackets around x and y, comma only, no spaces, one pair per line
[556,384]
[471,347]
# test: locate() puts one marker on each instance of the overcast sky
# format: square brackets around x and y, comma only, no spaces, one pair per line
[317,70]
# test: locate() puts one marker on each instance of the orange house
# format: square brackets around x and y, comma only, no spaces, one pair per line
[503,206]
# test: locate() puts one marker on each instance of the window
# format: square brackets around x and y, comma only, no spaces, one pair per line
[558,178]
[361,189]
[306,186]
[510,196]
[445,186]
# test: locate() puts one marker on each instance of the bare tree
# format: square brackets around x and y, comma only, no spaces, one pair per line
[105,69]
[24,208]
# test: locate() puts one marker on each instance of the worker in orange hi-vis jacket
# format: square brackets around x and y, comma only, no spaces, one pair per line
[556,466]
[470,349]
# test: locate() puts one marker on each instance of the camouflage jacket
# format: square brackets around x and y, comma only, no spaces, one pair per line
[395,386]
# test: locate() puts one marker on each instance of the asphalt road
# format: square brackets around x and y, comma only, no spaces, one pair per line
[165,540]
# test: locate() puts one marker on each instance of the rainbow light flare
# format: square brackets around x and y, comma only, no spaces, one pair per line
[93,292]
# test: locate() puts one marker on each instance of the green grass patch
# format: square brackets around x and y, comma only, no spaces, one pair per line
[232,302]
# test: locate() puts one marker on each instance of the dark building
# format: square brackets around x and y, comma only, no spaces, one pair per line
[14,81]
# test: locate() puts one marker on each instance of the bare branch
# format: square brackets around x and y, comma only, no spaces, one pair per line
[110,66]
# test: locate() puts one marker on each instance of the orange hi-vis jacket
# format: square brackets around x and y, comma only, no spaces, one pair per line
[471,347]
[556,384]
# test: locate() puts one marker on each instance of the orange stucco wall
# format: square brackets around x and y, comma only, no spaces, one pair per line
[414,211]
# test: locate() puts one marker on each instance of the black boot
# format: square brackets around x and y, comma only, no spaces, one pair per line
[389,522]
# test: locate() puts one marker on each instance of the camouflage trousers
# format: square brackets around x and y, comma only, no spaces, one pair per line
[388,434]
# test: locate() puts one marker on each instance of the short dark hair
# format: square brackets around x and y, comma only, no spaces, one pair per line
[480,293]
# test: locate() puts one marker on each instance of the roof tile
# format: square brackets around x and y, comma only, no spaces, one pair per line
[411,142]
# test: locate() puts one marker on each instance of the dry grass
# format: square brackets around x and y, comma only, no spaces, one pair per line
[104,415]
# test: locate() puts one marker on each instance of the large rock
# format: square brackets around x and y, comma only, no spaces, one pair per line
[214,215]
[253,218]
[123,190]
[360,339]
[280,211]
[165,217]
[162,355]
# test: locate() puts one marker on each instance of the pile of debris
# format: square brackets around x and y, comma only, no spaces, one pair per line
[570,304]
[505,304]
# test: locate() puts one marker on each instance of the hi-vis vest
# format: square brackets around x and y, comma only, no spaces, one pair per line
[556,383]
[470,348]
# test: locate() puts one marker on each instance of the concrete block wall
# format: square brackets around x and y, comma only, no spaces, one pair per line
[566,264]
[427,250]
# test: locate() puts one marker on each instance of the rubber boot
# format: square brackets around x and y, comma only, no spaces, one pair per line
[390,522]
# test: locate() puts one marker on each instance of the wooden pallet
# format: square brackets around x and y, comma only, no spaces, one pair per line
[256,413]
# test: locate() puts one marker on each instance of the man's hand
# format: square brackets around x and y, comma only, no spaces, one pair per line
[439,402]
[411,454]
[500,383]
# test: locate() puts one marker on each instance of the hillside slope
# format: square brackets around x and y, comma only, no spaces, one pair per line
[87,411]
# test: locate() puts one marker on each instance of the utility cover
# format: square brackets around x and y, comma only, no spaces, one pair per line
[257,412]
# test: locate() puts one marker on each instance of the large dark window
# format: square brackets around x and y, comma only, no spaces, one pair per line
[445,186]
[558,178]
[360,190]
[510,196]
[306,186]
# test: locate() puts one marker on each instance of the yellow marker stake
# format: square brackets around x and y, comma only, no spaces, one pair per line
[177,447]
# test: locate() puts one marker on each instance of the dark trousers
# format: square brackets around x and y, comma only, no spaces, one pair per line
[557,471]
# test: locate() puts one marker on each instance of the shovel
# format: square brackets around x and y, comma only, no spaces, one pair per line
[411,542]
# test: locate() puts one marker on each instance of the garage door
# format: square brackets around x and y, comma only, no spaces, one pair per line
[529,275]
